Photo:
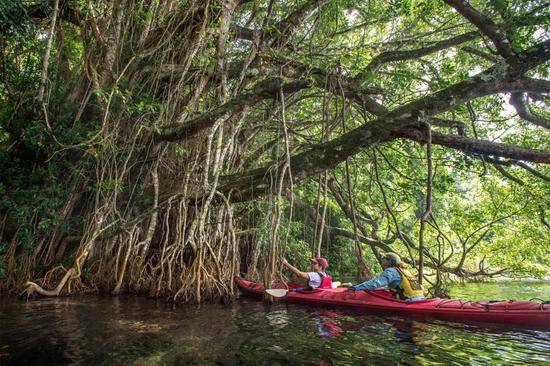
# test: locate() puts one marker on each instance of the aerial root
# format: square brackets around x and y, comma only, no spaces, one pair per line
[32,288]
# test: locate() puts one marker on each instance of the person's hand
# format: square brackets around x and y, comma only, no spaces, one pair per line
[284,261]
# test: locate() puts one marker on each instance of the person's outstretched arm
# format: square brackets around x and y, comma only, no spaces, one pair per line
[295,270]
[381,281]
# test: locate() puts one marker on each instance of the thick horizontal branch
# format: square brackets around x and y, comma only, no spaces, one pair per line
[263,90]
[475,146]
[493,81]
[340,85]
[268,89]
[327,155]
[353,90]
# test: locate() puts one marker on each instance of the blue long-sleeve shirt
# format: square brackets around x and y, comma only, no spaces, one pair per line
[390,276]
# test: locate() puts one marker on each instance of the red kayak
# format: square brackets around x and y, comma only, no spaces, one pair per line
[525,313]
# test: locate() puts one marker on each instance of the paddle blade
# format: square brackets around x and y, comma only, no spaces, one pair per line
[277,292]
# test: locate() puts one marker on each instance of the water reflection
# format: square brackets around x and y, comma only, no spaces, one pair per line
[137,331]
[409,331]
[326,322]
[277,318]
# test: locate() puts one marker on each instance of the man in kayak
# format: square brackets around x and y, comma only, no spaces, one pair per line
[397,279]
[317,278]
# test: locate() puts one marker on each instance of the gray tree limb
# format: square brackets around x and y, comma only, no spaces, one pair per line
[485,25]
[520,104]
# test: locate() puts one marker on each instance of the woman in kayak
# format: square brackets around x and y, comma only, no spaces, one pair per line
[317,278]
[398,280]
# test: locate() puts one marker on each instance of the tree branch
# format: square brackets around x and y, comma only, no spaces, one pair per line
[475,146]
[458,125]
[520,104]
[288,26]
[336,83]
[244,33]
[266,89]
[505,173]
[483,55]
[283,30]
[520,164]
[485,25]
[413,54]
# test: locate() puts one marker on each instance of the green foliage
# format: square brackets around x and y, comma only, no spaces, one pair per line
[36,177]
[14,19]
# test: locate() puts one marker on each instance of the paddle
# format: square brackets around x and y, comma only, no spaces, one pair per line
[277,292]
[281,292]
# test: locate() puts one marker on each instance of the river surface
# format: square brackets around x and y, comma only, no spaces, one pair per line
[130,330]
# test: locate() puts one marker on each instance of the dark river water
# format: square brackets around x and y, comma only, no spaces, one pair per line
[128,330]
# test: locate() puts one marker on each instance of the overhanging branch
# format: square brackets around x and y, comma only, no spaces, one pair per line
[404,121]
[476,146]
[520,104]
[264,90]
[416,53]
[485,25]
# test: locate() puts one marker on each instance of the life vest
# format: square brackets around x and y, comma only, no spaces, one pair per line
[326,282]
[408,288]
